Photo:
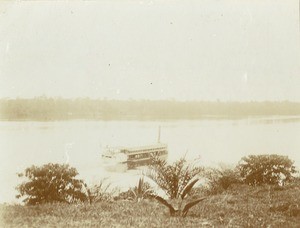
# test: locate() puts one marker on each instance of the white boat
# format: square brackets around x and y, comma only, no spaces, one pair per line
[123,158]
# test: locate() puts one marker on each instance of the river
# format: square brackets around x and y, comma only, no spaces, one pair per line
[80,142]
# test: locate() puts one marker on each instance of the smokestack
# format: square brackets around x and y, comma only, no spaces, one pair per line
[158,140]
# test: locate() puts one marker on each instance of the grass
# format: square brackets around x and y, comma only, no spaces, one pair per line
[239,206]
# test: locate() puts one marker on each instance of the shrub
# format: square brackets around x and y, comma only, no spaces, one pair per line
[266,169]
[99,192]
[220,179]
[50,183]
[142,191]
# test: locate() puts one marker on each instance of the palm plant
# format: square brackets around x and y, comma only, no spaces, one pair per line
[176,181]
[142,190]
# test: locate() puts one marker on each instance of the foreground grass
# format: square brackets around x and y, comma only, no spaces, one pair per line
[240,206]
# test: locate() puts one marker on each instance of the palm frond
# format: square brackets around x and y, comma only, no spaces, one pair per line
[188,188]
[147,191]
[164,202]
[160,177]
[133,192]
[140,185]
[191,204]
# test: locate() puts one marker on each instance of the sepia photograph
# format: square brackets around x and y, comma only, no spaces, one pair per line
[150,113]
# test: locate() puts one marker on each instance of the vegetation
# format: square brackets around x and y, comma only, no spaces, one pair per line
[46,109]
[141,191]
[240,205]
[54,197]
[266,169]
[177,181]
[177,207]
[220,179]
[51,183]
[99,192]
[173,179]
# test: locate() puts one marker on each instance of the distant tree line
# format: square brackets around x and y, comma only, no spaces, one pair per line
[46,109]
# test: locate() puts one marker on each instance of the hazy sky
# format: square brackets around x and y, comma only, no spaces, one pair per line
[183,50]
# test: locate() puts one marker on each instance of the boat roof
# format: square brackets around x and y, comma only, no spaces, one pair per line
[137,149]
[154,146]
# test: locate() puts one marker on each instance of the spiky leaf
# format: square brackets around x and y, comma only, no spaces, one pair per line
[188,188]
[191,204]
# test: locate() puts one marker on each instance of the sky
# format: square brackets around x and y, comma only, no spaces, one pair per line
[228,50]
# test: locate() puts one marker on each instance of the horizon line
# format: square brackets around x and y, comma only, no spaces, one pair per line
[146,99]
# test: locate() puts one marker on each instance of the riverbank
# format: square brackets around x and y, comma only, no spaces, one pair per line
[240,206]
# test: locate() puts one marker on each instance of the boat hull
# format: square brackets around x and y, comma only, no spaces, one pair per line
[122,159]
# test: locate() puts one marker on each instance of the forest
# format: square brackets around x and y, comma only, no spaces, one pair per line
[48,109]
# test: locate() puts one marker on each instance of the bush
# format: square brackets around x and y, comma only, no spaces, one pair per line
[142,191]
[220,179]
[266,169]
[51,183]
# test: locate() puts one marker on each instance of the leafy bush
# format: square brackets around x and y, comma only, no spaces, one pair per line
[268,169]
[50,183]
[220,179]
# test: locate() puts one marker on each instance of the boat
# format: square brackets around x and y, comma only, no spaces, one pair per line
[125,158]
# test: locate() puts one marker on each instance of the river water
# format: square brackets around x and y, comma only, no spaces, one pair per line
[80,143]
